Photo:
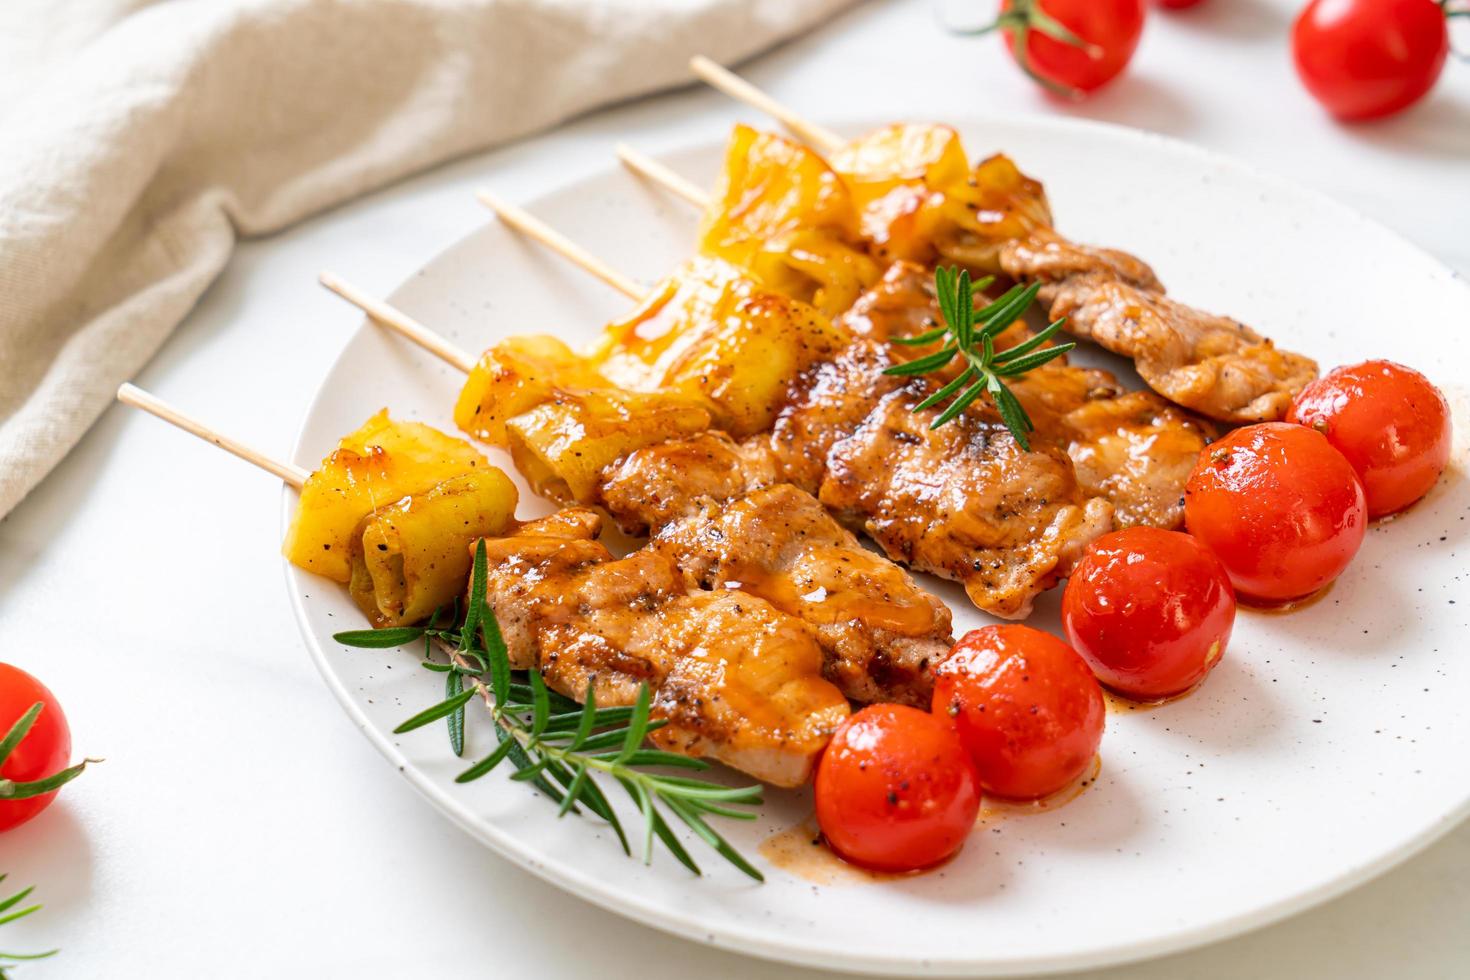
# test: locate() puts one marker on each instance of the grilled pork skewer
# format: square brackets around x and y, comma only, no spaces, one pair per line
[965,502]
[880,633]
[736,679]
[1210,364]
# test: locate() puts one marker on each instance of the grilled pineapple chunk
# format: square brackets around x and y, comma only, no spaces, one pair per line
[780,213]
[920,199]
[562,446]
[711,333]
[412,557]
[514,376]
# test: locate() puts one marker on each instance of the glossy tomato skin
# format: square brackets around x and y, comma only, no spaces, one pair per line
[895,790]
[44,752]
[1113,27]
[1026,707]
[1368,58]
[1282,510]
[1149,610]
[1391,423]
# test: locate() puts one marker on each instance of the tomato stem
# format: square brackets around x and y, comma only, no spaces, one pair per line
[1018,21]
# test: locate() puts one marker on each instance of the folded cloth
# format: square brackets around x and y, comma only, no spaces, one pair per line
[138,140]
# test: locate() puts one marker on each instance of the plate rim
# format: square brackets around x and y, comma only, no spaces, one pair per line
[567,877]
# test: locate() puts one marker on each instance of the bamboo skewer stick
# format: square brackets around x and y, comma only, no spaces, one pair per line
[646,166]
[532,227]
[719,77]
[401,323]
[290,474]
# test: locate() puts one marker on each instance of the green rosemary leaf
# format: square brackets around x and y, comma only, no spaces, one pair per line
[920,339]
[469,633]
[1035,359]
[1007,311]
[520,760]
[605,740]
[595,801]
[700,789]
[697,824]
[655,757]
[533,771]
[1011,353]
[588,719]
[923,365]
[19,915]
[395,636]
[959,404]
[964,301]
[20,729]
[946,391]
[722,811]
[574,791]
[440,710]
[944,283]
[436,667]
[666,834]
[637,725]
[453,687]
[29,956]
[17,898]
[486,764]
[541,703]
[1013,414]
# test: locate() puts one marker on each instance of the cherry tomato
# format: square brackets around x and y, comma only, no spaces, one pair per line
[1177,4]
[1109,28]
[1150,610]
[43,752]
[895,790]
[1026,706]
[1368,58]
[1390,422]
[1282,510]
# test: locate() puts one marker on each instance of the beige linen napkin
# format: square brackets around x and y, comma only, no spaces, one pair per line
[138,140]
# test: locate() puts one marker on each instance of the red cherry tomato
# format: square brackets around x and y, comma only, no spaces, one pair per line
[1150,610]
[1177,4]
[1368,58]
[1026,706]
[1390,422]
[895,790]
[43,752]
[1281,509]
[1109,28]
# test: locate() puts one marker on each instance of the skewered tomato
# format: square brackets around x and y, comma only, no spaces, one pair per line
[1150,610]
[1094,44]
[1390,422]
[1026,707]
[43,751]
[1281,509]
[895,790]
[1367,58]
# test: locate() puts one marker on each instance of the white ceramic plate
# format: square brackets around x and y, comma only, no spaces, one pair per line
[1328,745]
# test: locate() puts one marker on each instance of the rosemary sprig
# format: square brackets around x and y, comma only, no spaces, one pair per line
[564,748]
[8,916]
[971,335]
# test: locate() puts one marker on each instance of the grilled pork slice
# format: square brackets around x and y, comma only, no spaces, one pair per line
[1132,447]
[965,502]
[718,510]
[881,634]
[1211,364]
[736,679]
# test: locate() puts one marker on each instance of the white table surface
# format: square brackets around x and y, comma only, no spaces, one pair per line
[242,826]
